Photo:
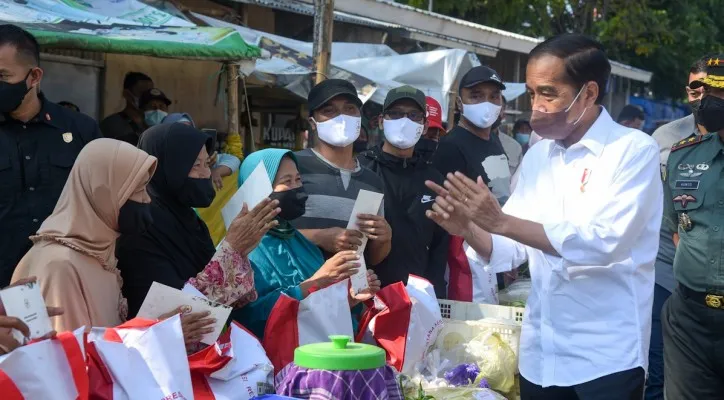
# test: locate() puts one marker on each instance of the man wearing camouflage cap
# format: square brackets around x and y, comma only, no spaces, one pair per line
[693,317]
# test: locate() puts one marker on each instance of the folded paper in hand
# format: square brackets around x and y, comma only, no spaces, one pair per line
[254,189]
[161,299]
[26,303]
[367,203]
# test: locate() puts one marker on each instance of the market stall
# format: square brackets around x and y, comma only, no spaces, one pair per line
[134,29]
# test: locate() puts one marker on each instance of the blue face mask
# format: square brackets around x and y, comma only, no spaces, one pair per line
[522,138]
[154,117]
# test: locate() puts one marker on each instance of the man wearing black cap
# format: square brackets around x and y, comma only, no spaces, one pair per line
[469,147]
[154,105]
[333,177]
[693,316]
[127,125]
[419,246]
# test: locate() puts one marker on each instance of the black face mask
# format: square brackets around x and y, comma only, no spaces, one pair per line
[711,114]
[426,148]
[695,105]
[134,218]
[12,94]
[292,202]
[197,192]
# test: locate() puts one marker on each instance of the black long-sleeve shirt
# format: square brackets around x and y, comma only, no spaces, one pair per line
[35,160]
[419,246]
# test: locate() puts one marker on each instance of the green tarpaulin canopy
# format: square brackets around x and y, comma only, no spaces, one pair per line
[197,43]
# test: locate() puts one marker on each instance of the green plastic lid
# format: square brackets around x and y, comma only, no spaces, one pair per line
[339,355]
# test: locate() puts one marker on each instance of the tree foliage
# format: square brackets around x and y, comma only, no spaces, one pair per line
[662,36]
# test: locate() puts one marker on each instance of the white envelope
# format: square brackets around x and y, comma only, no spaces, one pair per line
[26,303]
[162,299]
[254,189]
[367,203]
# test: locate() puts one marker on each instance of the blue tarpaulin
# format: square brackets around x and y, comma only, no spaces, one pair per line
[659,111]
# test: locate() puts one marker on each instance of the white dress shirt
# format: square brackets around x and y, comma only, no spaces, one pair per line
[589,311]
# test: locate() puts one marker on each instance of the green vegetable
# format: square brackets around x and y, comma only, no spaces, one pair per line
[420,392]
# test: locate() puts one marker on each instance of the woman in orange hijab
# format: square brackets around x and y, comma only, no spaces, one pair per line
[73,256]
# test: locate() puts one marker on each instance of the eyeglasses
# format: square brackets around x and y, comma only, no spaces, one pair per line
[417,116]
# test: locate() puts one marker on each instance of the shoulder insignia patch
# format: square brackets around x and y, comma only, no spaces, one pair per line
[690,141]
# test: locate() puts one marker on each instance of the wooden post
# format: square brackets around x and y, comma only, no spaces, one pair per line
[323,24]
[232,96]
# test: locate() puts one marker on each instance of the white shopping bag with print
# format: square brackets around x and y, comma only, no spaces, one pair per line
[405,321]
[234,368]
[293,323]
[47,369]
[140,359]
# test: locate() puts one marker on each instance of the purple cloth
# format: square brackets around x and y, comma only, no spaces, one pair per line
[373,384]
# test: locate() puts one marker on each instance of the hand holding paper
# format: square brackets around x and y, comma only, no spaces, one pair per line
[248,228]
[367,203]
[254,189]
[161,298]
[25,302]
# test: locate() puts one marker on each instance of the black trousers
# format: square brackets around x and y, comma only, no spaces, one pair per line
[693,349]
[625,385]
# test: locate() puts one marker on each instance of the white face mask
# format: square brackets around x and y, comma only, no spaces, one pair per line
[154,117]
[482,115]
[340,131]
[402,133]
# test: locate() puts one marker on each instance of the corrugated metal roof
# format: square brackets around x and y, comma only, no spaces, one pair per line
[505,40]
[340,16]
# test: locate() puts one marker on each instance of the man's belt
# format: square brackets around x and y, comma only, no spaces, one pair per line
[715,301]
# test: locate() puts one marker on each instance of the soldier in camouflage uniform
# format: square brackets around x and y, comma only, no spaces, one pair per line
[693,317]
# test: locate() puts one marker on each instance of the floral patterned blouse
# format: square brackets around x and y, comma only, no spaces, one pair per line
[227,279]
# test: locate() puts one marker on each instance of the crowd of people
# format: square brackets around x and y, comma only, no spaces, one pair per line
[97,213]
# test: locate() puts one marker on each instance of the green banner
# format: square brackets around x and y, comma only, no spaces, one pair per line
[201,43]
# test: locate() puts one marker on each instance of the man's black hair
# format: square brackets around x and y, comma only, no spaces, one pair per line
[25,44]
[519,123]
[132,78]
[700,65]
[631,112]
[584,58]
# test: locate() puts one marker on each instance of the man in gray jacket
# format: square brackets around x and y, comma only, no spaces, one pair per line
[666,136]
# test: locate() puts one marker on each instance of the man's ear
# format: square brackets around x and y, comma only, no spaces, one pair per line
[34,78]
[591,93]
[312,123]
[459,103]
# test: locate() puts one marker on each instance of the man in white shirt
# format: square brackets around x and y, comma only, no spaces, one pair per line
[586,215]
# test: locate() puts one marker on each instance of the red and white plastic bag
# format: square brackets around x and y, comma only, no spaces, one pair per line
[236,367]
[405,321]
[470,280]
[140,359]
[47,369]
[293,323]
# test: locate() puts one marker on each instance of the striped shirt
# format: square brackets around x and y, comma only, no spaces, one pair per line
[331,197]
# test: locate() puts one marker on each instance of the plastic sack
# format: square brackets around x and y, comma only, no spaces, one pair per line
[140,359]
[405,321]
[235,367]
[46,369]
[293,323]
[497,361]
[515,295]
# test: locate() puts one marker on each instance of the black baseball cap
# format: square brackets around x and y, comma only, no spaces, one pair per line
[329,89]
[481,74]
[153,94]
[405,92]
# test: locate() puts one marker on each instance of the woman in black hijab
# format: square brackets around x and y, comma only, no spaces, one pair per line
[177,248]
